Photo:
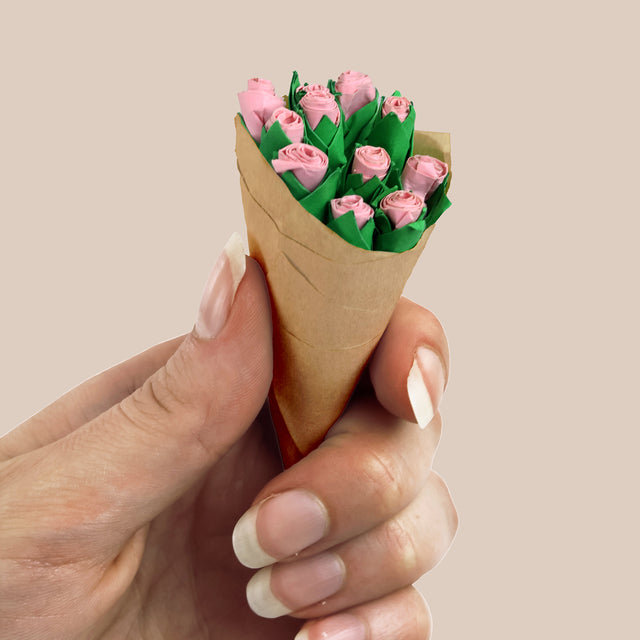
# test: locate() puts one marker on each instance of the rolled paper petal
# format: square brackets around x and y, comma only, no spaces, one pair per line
[356,89]
[402,207]
[398,105]
[316,104]
[362,211]
[315,88]
[308,164]
[291,122]
[257,104]
[371,161]
[260,84]
[423,175]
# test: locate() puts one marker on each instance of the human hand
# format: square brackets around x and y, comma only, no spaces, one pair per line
[118,501]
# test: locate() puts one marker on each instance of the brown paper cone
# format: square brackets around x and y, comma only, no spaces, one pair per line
[331,301]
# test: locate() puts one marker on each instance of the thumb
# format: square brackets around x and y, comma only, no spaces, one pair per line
[134,460]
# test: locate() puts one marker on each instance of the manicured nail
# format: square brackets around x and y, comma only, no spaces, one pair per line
[425,385]
[279,527]
[341,627]
[281,589]
[221,288]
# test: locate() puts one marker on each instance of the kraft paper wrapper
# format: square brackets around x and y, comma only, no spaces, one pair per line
[331,301]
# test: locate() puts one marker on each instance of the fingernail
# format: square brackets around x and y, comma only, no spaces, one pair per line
[221,288]
[341,627]
[425,385]
[279,527]
[281,589]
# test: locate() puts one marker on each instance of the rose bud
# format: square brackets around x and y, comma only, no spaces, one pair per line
[423,175]
[257,104]
[316,104]
[402,207]
[398,105]
[260,84]
[291,122]
[362,211]
[308,164]
[316,88]
[371,161]
[356,89]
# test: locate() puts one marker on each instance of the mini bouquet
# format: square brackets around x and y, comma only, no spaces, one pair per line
[340,195]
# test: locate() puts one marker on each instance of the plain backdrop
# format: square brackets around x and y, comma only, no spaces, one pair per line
[118,189]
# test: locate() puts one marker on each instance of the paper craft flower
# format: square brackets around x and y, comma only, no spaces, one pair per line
[257,104]
[398,105]
[371,161]
[291,123]
[314,88]
[308,164]
[423,175]
[402,207]
[316,104]
[356,89]
[361,210]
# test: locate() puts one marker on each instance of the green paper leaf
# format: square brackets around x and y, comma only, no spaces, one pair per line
[359,126]
[316,202]
[353,183]
[383,224]
[395,136]
[296,189]
[273,140]
[438,203]
[347,228]
[401,239]
[327,137]
[294,97]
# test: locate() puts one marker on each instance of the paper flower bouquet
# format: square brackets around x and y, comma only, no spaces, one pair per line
[340,195]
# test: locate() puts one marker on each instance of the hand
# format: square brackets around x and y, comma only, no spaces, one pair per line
[118,501]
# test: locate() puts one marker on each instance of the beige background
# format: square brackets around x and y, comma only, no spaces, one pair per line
[118,188]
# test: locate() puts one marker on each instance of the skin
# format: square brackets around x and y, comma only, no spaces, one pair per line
[117,502]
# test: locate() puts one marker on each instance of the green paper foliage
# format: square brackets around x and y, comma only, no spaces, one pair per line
[347,228]
[294,96]
[365,126]
[327,137]
[273,140]
[315,202]
[395,136]
[438,203]
[401,239]
[358,127]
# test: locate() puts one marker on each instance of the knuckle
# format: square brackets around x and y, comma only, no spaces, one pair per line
[383,474]
[403,548]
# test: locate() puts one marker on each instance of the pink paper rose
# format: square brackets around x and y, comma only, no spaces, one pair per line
[371,161]
[316,104]
[308,163]
[423,175]
[257,104]
[356,89]
[402,207]
[398,105]
[362,211]
[315,88]
[290,121]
